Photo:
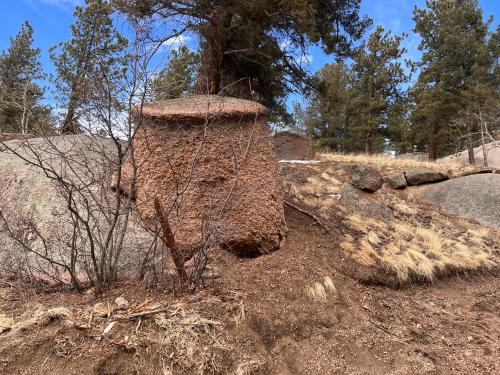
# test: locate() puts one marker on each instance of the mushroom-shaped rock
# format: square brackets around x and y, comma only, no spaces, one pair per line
[210,161]
[419,176]
[366,178]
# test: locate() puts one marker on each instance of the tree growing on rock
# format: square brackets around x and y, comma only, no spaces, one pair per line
[93,53]
[21,109]
[258,49]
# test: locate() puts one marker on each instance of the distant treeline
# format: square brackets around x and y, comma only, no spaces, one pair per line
[368,100]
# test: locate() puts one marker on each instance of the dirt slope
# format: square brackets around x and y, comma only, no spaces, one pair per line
[272,325]
[301,310]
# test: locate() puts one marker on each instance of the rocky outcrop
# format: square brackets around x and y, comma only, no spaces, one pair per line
[475,196]
[29,199]
[210,161]
[491,149]
[396,181]
[419,176]
[366,178]
[293,146]
[363,204]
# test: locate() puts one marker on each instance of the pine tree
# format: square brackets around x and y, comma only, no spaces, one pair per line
[258,49]
[20,95]
[178,78]
[378,76]
[95,49]
[328,114]
[453,35]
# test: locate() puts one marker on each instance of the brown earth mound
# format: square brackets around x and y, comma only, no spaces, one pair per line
[293,146]
[210,160]
[295,311]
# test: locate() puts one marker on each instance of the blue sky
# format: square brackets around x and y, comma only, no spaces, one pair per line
[51,19]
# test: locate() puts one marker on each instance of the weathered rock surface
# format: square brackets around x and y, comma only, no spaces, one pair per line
[293,146]
[419,176]
[210,161]
[366,178]
[28,196]
[363,203]
[492,150]
[396,181]
[476,197]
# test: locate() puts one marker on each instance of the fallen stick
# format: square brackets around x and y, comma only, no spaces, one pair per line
[143,313]
[169,240]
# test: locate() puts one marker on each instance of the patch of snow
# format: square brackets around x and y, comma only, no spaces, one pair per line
[300,161]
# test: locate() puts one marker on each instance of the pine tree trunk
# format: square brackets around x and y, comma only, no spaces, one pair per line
[368,146]
[432,145]
[69,125]
[24,118]
[485,155]
[470,146]
[214,46]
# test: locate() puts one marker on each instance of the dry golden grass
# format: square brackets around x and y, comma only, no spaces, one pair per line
[418,253]
[42,317]
[387,161]
[407,243]
[191,340]
[6,323]
[321,290]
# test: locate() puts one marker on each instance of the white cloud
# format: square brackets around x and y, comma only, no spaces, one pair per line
[66,5]
[175,42]
[62,2]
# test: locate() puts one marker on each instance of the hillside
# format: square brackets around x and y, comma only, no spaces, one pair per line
[331,300]
[462,158]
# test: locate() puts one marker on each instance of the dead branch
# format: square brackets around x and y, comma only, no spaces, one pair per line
[310,214]
[168,238]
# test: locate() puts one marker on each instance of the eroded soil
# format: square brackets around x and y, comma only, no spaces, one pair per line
[270,324]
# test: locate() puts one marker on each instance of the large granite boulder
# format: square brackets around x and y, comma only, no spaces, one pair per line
[419,176]
[35,207]
[293,146]
[366,178]
[476,197]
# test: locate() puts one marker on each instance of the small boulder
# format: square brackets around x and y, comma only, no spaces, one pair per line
[396,181]
[121,303]
[366,178]
[419,176]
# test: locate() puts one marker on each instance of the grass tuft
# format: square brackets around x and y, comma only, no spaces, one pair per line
[320,290]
